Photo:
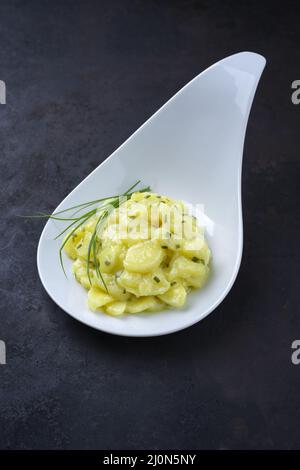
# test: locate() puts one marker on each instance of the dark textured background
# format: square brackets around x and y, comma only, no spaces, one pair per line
[81,77]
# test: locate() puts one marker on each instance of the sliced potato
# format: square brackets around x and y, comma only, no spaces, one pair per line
[193,247]
[115,308]
[80,273]
[73,242]
[144,285]
[90,226]
[109,257]
[153,284]
[97,298]
[198,281]
[142,304]
[116,291]
[83,247]
[130,282]
[182,267]
[144,257]
[175,296]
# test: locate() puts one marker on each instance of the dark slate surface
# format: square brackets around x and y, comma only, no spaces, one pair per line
[81,77]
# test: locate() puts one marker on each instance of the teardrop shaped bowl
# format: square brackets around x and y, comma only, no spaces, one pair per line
[191,149]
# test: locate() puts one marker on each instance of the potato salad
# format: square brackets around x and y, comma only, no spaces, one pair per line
[148,254]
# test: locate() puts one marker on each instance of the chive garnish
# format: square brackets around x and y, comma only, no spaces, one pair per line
[195,259]
[98,207]
[156,279]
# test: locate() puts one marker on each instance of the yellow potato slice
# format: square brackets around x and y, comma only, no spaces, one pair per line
[175,296]
[142,304]
[73,242]
[109,257]
[90,226]
[153,284]
[84,281]
[157,305]
[97,298]
[80,273]
[144,285]
[144,257]
[198,281]
[130,282]
[196,248]
[116,308]
[116,291]
[183,267]
[83,247]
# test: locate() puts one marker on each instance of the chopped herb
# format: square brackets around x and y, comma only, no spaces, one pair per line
[195,259]
[164,264]
[164,247]
[156,279]
[107,262]
[148,195]
[177,246]
[79,246]
[124,291]
[173,283]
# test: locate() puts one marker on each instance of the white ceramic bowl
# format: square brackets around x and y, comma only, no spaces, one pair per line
[190,149]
